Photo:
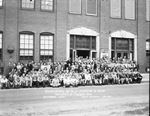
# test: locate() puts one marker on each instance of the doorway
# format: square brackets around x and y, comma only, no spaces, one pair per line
[83,53]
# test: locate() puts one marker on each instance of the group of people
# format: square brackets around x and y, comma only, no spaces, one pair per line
[80,72]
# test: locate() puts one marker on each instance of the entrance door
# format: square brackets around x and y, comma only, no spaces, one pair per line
[83,53]
[122,55]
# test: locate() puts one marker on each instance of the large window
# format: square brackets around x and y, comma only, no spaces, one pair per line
[148,47]
[26,46]
[130,9]
[47,5]
[1,36]
[122,47]
[115,8]
[75,6]
[83,42]
[1,3]
[27,4]
[91,7]
[46,46]
[148,10]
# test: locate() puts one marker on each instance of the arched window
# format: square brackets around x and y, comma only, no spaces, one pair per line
[148,47]
[26,51]
[46,46]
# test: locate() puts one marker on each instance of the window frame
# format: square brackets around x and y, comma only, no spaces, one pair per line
[1,32]
[134,11]
[111,11]
[95,9]
[28,33]
[26,8]
[46,10]
[46,34]
[75,12]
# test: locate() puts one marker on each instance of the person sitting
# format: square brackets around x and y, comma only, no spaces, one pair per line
[4,82]
[23,80]
[10,80]
[55,82]
[105,79]
[138,76]
[17,81]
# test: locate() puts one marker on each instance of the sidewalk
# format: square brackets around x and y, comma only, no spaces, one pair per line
[145,77]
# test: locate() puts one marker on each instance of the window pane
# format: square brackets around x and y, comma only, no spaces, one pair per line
[1,3]
[46,46]
[122,44]
[130,9]
[28,4]
[148,10]
[71,42]
[0,38]
[22,46]
[50,52]
[21,52]
[94,43]
[51,47]
[131,44]
[26,47]
[91,7]
[1,46]
[47,5]
[115,8]
[75,6]
[147,45]
[83,42]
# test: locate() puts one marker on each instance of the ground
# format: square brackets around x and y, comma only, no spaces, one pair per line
[106,100]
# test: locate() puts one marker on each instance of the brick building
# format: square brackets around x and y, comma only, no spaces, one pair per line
[59,29]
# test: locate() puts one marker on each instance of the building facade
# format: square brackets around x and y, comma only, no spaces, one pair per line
[59,29]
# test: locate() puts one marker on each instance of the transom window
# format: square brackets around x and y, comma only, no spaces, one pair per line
[91,7]
[1,36]
[27,4]
[83,42]
[46,47]
[130,9]
[75,6]
[47,5]
[26,46]
[115,8]
[1,3]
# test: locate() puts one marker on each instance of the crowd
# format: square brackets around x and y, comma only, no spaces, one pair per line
[80,72]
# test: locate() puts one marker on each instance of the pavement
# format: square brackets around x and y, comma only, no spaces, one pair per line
[107,100]
[145,77]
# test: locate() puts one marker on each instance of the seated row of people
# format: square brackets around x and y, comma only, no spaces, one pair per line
[72,78]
